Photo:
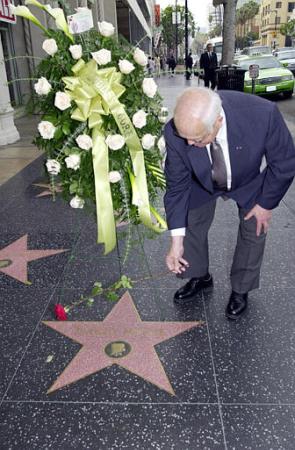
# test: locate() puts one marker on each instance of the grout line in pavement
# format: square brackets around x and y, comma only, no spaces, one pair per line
[123,403]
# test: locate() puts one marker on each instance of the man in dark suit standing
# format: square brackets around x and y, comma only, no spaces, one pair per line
[215,146]
[208,62]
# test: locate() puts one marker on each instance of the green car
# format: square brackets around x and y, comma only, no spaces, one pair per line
[273,77]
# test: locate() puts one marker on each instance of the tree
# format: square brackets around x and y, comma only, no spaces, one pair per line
[228,33]
[216,31]
[244,15]
[288,29]
[169,29]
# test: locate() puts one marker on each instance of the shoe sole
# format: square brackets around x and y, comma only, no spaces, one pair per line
[190,299]
[234,317]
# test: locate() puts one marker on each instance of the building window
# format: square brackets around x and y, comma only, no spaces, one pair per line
[278,4]
[277,20]
[291,6]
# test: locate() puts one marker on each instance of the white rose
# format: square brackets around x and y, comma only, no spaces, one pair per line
[73,161]
[163,116]
[114,176]
[115,141]
[139,119]
[42,87]
[53,166]
[84,141]
[50,46]
[148,141]
[62,101]
[102,57]
[77,202]
[106,28]
[140,57]
[46,129]
[76,51]
[125,66]
[161,144]
[149,87]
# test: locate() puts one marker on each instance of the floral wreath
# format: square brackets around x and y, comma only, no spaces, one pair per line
[101,123]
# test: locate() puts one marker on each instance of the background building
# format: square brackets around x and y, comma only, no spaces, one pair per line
[273,15]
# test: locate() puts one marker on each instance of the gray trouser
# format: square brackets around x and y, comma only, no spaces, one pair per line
[245,270]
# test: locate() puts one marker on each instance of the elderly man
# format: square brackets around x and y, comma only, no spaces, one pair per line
[215,145]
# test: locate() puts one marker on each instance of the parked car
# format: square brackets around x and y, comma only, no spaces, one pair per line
[287,59]
[256,50]
[273,77]
[280,49]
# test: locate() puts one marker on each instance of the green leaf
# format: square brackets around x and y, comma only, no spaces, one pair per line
[90,301]
[112,296]
[126,282]
[73,187]
[58,133]
[50,118]
[96,290]
[66,129]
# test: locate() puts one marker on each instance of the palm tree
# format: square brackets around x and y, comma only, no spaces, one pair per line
[228,34]
[252,9]
[246,14]
[288,29]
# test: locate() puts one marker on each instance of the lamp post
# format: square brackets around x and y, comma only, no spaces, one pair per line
[187,75]
[176,33]
[275,32]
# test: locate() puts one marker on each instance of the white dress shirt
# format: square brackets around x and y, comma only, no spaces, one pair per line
[221,138]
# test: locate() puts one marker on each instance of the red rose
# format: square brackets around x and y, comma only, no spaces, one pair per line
[60,313]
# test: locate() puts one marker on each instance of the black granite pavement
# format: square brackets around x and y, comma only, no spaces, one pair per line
[234,383]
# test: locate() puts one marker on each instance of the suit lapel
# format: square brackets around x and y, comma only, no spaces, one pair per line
[236,144]
[201,165]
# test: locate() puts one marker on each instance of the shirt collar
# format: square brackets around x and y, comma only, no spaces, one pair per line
[222,134]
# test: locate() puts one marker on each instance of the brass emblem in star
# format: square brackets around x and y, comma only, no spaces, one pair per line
[15,257]
[122,338]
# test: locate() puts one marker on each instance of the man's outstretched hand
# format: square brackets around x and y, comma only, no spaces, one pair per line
[174,259]
[262,216]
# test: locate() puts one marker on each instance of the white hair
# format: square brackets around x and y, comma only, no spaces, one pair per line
[206,108]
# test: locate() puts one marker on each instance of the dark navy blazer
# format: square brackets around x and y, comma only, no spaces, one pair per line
[255,128]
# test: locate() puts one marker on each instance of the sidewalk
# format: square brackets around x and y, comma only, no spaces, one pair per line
[163,377]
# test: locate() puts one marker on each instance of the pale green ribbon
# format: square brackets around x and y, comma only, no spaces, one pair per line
[96,93]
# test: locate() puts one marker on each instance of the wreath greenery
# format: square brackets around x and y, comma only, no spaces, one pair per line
[66,131]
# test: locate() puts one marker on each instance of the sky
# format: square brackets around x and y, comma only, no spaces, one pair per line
[199,9]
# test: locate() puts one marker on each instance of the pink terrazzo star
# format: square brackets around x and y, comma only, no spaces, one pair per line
[48,191]
[121,338]
[15,257]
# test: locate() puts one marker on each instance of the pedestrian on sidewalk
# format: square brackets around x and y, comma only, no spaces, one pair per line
[208,62]
[189,66]
[171,64]
[151,66]
[215,146]
[157,66]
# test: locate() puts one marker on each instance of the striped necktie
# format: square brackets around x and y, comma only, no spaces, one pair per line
[219,174]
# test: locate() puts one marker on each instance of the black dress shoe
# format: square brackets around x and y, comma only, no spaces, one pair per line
[236,306]
[188,292]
